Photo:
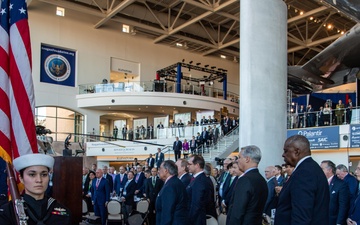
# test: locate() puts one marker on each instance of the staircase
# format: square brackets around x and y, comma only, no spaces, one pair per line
[224,147]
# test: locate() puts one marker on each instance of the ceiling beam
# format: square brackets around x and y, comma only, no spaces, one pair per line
[307,14]
[116,10]
[194,20]
[315,43]
[221,46]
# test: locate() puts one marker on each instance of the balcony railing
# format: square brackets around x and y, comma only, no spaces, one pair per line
[155,86]
[324,118]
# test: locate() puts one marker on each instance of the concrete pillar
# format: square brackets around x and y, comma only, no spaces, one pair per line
[263,77]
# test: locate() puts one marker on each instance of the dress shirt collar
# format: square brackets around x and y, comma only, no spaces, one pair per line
[197,174]
[270,178]
[301,160]
[330,179]
[182,175]
[168,178]
[248,170]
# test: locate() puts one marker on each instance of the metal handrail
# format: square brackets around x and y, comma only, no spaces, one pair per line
[153,86]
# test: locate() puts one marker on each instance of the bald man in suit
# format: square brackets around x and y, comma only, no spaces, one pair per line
[304,198]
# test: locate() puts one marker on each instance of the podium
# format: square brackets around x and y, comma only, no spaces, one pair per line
[67,185]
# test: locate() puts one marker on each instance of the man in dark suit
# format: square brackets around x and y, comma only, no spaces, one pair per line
[152,189]
[205,137]
[301,118]
[224,181]
[120,180]
[171,203]
[271,184]
[193,145]
[304,198]
[139,180]
[339,195]
[351,181]
[85,181]
[229,191]
[199,192]
[108,177]
[250,194]
[150,161]
[354,212]
[100,195]
[124,132]
[183,171]
[128,194]
[159,158]
[177,147]
[198,143]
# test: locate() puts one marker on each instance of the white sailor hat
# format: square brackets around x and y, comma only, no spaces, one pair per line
[36,159]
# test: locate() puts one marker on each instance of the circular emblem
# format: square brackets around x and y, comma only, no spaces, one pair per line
[57,67]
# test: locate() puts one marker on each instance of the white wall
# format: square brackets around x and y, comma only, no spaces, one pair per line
[95,47]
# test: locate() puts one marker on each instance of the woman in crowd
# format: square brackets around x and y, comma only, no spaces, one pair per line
[327,112]
[87,197]
[186,148]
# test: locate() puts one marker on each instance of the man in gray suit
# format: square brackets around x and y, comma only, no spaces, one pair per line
[250,193]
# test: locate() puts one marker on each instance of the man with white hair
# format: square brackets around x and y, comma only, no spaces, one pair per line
[270,204]
[352,183]
[249,197]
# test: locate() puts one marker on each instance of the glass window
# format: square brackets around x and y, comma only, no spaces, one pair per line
[60,121]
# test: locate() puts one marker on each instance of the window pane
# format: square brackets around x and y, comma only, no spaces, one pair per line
[65,113]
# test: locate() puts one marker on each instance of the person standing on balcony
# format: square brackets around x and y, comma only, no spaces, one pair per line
[301,121]
[339,113]
[349,110]
[115,132]
[177,147]
[124,132]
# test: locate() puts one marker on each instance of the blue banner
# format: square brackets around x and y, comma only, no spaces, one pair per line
[57,65]
[319,138]
[355,136]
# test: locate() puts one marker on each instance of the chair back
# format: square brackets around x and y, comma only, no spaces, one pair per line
[210,220]
[114,207]
[84,207]
[135,219]
[222,219]
[142,206]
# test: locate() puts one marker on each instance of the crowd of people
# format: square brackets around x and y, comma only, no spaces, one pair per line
[186,190]
[147,132]
[325,116]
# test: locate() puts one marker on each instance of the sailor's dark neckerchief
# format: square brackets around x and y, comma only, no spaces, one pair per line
[39,210]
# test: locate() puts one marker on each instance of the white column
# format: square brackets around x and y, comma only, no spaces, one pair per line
[263,77]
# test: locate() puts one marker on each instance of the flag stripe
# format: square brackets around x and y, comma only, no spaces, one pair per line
[21,105]
[17,127]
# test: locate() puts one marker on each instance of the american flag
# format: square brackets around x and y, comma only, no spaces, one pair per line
[17,126]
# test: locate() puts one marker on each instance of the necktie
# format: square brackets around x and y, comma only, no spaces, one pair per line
[153,181]
[97,183]
[232,179]
[192,179]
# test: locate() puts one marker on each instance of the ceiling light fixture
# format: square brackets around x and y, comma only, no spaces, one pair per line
[235,59]
[223,56]
[125,28]
[60,11]
[179,45]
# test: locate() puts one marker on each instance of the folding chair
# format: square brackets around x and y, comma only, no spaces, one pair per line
[222,219]
[139,216]
[210,220]
[114,210]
